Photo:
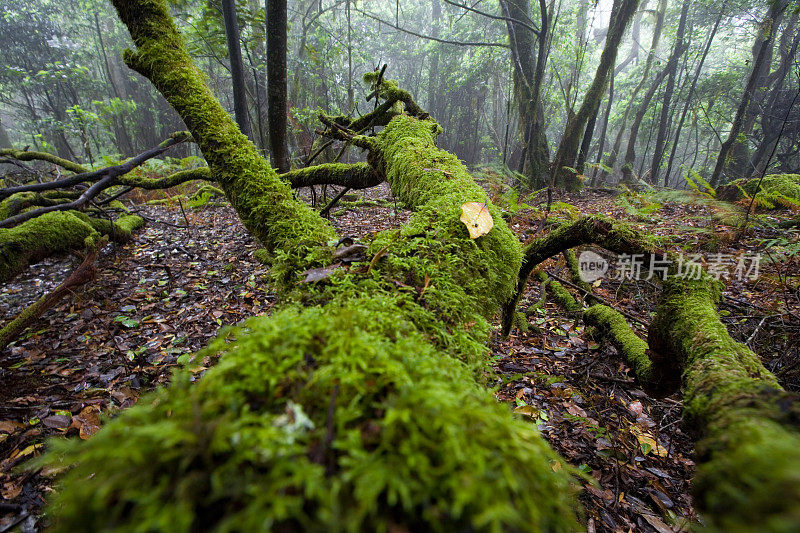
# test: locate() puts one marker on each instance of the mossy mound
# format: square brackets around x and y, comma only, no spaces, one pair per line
[335,418]
[777,191]
[56,232]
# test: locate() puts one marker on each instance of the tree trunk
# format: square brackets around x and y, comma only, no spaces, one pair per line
[688,100]
[764,40]
[529,71]
[657,30]
[433,67]
[770,124]
[276,80]
[661,137]
[604,130]
[5,141]
[237,67]
[621,14]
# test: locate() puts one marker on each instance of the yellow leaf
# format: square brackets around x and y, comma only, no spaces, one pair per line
[476,216]
[648,443]
[528,410]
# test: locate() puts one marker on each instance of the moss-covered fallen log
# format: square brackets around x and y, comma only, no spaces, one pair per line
[748,452]
[99,180]
[54,233]
[659,379]
[355,407]
[359,404]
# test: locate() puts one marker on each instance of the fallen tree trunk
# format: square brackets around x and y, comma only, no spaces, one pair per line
[748,427]
[363,412]
[359,404]
[748,452]
[54,233]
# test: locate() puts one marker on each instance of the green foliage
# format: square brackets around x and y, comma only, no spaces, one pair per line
[53,233]
[777,191]
[700,185]
[641,206]
[782,248]
[203,194]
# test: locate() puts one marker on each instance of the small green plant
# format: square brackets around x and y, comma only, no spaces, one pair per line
[698,184]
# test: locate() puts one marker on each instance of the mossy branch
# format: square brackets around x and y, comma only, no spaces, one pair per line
[606,233]
[262,200]
[657,379]
[748,463]
[95,175]
[23,155]
[54,233]
[352,176]
[85,273]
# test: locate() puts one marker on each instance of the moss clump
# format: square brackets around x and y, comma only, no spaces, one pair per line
[21,201]
[777,190]
[748,475]
[560,294]
[343,416]
[54,233]
[203,194]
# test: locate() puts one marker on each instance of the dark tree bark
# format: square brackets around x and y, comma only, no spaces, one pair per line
[770,123]
[433,68]
[604,129]
[764,41]
[692,87]
[630,153]
[568,148]
[529,70]
[5,142]
[657,30]
[276,72]
[237,68]
[661,136]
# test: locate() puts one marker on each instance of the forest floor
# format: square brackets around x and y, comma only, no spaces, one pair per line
[186,274]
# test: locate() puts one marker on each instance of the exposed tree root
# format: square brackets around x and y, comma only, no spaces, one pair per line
[83,274]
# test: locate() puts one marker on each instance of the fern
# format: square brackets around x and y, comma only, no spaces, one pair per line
[696,181]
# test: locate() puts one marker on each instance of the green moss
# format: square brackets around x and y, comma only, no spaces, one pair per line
[203,194]
[22,201]
[777,190]
[412,441]
[54,233]
[352,175]
[21,155]
[262,200]
[561,295]
[748,474]
[657,379]
[393,348]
